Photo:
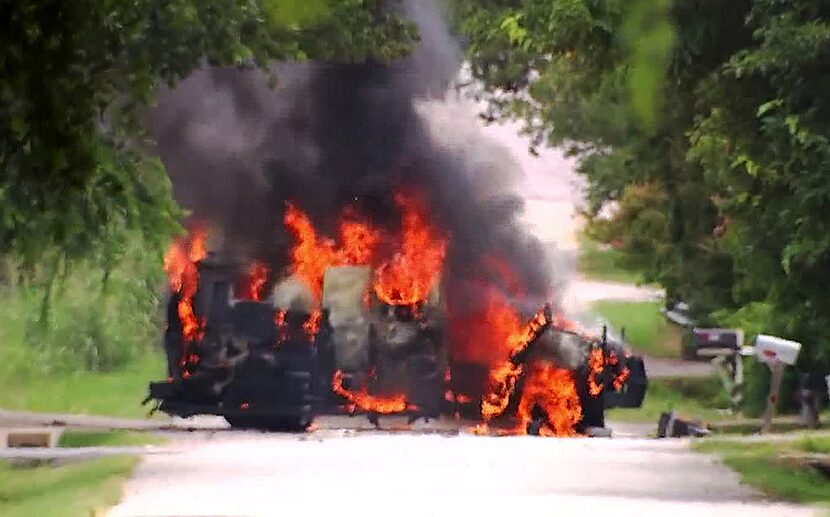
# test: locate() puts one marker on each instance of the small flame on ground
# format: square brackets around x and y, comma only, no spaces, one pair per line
[370,403]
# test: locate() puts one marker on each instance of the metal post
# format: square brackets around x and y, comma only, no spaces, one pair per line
[777,369]
[737,395]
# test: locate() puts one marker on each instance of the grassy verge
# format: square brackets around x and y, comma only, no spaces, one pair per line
[696,398]
[72,490]
[89,347]
[766,466]
[107,439]
[117,393]
[603,263]
[646,329]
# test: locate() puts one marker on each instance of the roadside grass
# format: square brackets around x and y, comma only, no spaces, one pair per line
[118,393]
[72,438]
[780,424]
[695,398]
[765,466]
[70,490]
[599,262]
[646,329]
[53,375]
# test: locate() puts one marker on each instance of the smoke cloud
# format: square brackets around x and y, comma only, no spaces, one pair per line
[330,136]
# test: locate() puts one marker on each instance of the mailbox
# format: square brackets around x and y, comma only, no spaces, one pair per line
[771,349]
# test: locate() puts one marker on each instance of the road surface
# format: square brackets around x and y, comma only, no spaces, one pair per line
[343,473]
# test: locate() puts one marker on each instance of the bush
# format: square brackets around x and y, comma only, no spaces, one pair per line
[91,321]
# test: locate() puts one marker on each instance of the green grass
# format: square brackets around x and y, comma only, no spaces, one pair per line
[646,330]
[780,424]
[764,466]
[604,263]
[695,398]
[96,349]
[107,439]
[116,393]
[73,490]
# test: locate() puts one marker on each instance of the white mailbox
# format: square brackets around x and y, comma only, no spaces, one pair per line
[771,349]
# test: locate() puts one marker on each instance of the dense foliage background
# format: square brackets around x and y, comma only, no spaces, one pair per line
[85,210]
[704,122]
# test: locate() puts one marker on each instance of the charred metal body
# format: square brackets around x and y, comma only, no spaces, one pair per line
[244,364]
[270,364]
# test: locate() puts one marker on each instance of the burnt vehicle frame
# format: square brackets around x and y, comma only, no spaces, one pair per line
[259,367]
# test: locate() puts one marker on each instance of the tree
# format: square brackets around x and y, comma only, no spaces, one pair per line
[74,74]
[705,121]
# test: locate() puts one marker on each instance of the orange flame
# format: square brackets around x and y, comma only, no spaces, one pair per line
[255,280]
[504,274]
[183,277]
[279,321]
[358,243]
[622,375]
[312,254]
[450,395]
[621,378]
[370,403]
[410,275]
[502,383]
[312,325]
[596,364]
[553,389]
[504,376]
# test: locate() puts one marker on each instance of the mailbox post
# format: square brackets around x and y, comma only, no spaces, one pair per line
[776,353]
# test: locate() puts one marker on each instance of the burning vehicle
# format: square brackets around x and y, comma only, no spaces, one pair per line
[371,255]
[361,325]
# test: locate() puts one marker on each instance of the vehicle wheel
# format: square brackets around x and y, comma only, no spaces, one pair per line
[289,424]
[270,423]
[241,421]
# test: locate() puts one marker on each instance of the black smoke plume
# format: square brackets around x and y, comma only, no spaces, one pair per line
[333,135]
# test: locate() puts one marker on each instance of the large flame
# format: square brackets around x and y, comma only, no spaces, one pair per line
[405,279]
[553,390]
[180,263]
[361,399]
[504,376]
[312,253]
[312,325]
[410,275]
[482,335]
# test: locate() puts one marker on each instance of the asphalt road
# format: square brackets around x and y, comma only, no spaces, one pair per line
[367,473]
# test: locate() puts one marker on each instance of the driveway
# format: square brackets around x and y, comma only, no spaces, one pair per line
[343,473]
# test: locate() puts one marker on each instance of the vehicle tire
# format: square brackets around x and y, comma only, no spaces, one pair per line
[241,421]
[297,424]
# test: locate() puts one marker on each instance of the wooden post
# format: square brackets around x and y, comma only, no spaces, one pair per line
[777,369]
